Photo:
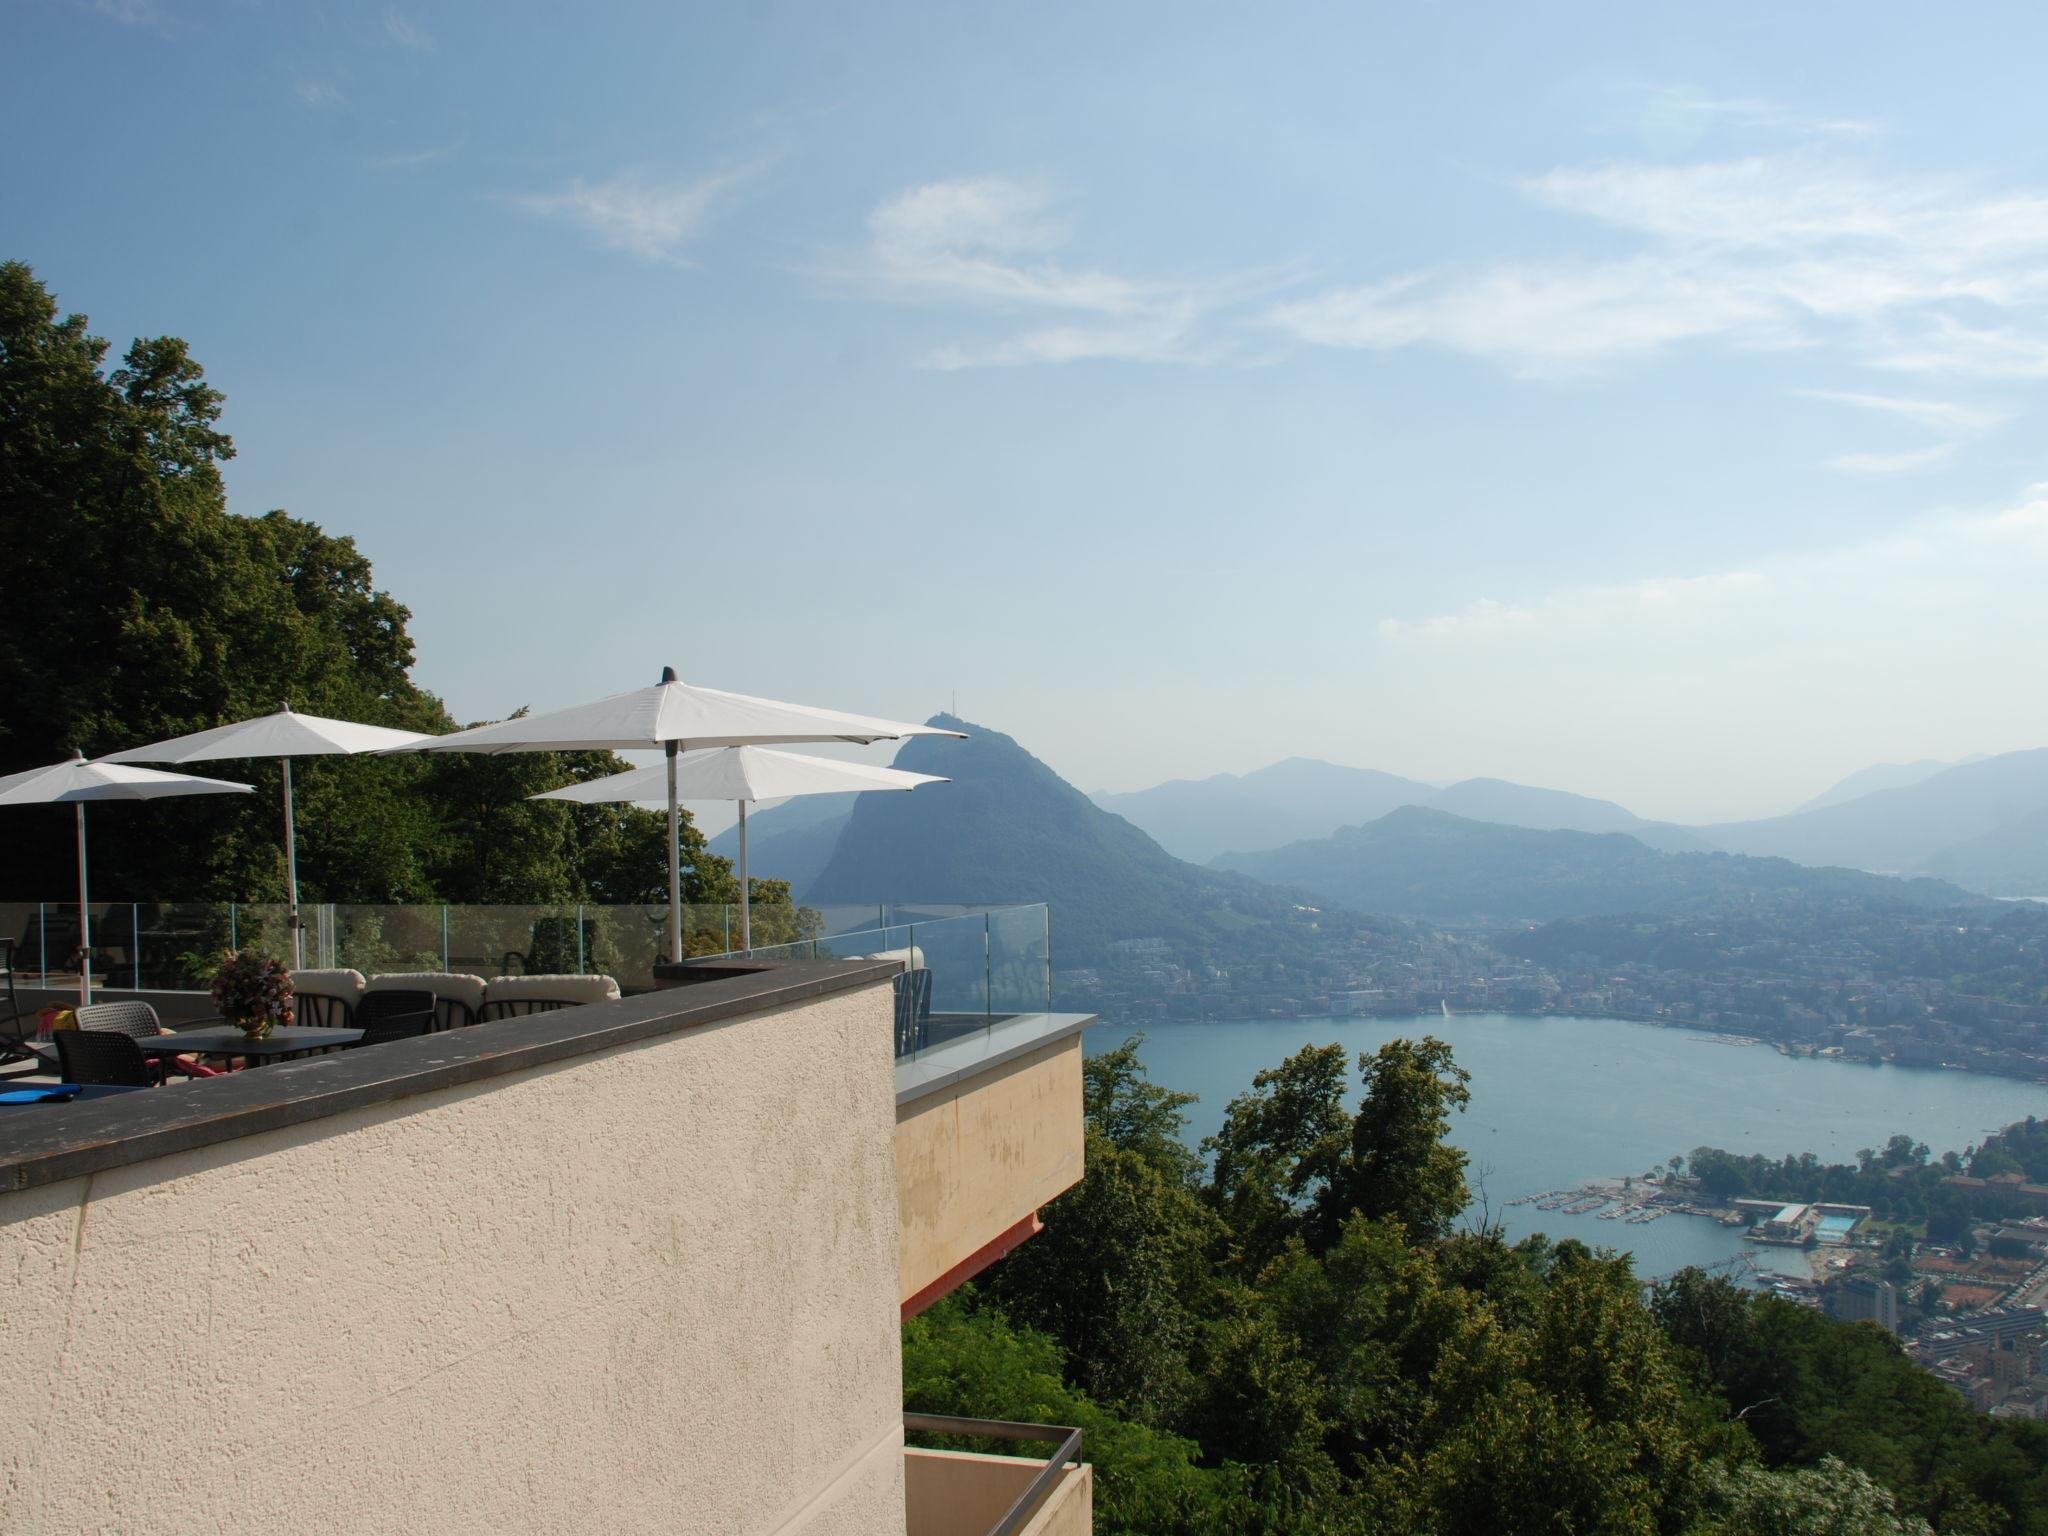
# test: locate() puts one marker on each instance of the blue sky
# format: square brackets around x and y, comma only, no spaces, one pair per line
[1640,400]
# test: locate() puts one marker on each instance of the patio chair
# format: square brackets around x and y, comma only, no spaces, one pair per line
[507,997]
[326,999]
[394,1015]
[138,1021]
[457,997]
[104,1056]
[15,1045]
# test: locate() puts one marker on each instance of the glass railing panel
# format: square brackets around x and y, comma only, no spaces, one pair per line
[373,938]
[1020,960]
[22,921]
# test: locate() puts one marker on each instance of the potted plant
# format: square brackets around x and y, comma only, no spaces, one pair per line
[253,990]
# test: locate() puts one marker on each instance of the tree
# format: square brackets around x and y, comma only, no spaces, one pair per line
[1398,1165]
[1279,1145]
[1130,1111]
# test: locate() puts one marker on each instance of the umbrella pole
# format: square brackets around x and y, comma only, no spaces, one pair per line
[675,866]
[746,894]
[84,918]
[291,863]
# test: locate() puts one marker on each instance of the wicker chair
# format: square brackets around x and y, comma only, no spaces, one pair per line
[104,1056]
[507,997]
[326,999]
[388,1016]
[138,1021]
[458,997]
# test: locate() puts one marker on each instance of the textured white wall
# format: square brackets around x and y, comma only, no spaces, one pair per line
[648,1290]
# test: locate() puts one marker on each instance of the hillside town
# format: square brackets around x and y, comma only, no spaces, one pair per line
[1910,988]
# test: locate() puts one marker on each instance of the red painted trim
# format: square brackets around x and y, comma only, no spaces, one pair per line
[971,1266]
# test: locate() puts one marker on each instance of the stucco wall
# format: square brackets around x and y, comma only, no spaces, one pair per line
[975,1159]
[652,1289]
[963,1493]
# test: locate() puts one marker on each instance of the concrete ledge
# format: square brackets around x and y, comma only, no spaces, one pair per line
[45,1145]
[947,1066]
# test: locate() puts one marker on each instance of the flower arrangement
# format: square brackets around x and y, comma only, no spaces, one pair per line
[253,990]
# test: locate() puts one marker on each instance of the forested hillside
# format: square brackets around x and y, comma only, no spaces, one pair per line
[1428,864]
[1009,829]
[1299,1335]
[139,607]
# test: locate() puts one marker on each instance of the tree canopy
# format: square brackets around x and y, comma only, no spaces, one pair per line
[1302,1333]
[139,607]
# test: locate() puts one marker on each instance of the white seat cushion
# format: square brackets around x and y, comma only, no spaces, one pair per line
[344,984]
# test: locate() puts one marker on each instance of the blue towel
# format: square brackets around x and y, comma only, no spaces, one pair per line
[54,1094]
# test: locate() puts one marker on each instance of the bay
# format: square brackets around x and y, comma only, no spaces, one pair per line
[1558,1101]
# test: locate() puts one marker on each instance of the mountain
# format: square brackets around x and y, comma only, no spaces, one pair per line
[1424,863]
[792,841]
[1554,810]
[1302,798]
[1196,819]
[1009,829]
[1952,821]
[1869,780]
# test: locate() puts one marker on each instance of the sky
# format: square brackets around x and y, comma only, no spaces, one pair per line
[1635,399]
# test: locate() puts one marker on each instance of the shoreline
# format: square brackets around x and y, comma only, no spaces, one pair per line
[1710,1034]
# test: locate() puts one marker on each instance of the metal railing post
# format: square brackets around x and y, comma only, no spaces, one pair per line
[988,972]
[42,947]
[135,941]
[444,935]
[234,938]
[581,968]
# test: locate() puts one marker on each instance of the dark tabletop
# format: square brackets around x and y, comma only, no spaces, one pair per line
[227,1040]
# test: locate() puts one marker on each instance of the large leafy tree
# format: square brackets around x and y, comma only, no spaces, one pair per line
[138,607]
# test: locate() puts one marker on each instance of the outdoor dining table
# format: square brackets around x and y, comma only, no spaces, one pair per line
[227,1040]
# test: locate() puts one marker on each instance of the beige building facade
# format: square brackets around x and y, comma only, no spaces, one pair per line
[637,1266]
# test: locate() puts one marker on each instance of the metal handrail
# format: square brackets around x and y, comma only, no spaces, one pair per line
[1036,1491]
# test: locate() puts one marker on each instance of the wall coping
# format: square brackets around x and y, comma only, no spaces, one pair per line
[946,1066]
[44,1145]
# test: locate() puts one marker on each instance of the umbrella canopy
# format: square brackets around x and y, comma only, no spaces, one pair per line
[674,716]
[284,736]
[743,774]
[76,781]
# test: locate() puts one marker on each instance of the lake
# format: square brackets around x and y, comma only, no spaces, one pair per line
[1559,1101]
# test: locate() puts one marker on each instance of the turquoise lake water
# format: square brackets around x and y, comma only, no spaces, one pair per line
[1559,1101]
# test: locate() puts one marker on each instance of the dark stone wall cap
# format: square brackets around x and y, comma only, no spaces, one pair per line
[43,1145]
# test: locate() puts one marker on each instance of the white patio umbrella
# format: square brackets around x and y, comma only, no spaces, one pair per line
[284,736]
[676,717]
[76,781]
[742,774]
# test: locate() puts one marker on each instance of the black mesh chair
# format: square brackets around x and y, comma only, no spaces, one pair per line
[387,1016]
[102,1056]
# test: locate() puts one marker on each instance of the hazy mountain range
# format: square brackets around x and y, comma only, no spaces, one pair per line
[1981,823]
[1425,863]
[1009,829]
[1200,819]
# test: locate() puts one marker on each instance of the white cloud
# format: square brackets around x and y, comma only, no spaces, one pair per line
[1847,591]
[321,93]
[1952,423]
[654,220]
[1912,273]
[989,243]
[407,33]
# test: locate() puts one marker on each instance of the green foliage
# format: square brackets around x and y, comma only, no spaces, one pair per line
[1398,1165]
[1301,1342]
